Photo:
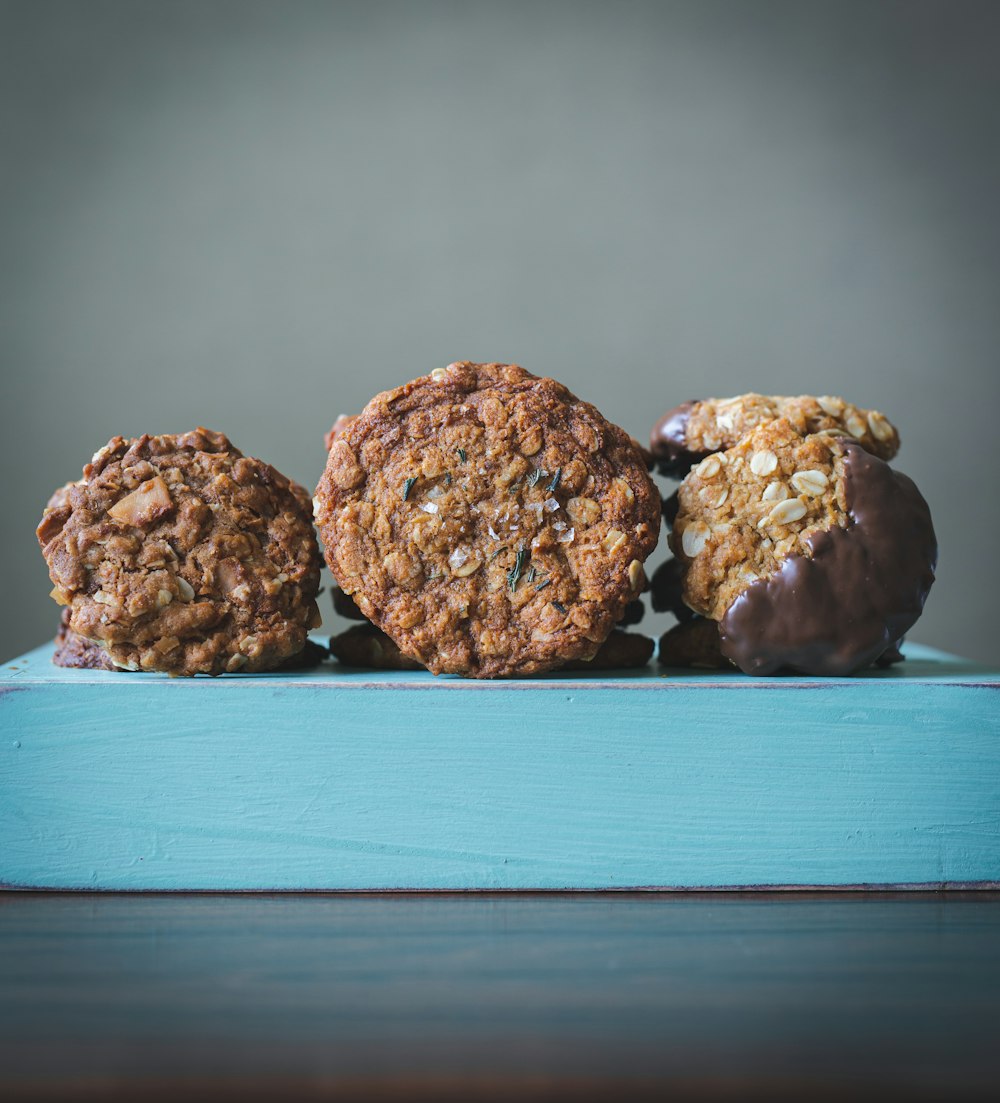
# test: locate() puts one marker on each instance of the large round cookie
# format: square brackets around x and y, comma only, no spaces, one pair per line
[690,432]
[487,520]
[810,552]
[180,554]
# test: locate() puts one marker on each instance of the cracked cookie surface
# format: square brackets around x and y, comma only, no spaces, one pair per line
[180,554]
[487,520]
[690,432]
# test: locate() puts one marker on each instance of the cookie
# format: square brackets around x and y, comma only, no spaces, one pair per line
[693,643]
[809,552]
[363,645]
[180,554]
[666,588]
[337,428]
[688,433]
[78,653]
[487,520]
[620,651]
[343,605]
[634,612]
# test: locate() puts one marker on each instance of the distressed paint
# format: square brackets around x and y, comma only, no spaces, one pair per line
[334,779]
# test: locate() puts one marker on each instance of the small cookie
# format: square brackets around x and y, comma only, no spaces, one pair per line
[666,588]
[337,428]
[634,612]
[810,552]
[620,651]
[343,606]
[690,432]
[694,642]
[179,554]
[487,520]
[363,645]
[78,653]
[311,656]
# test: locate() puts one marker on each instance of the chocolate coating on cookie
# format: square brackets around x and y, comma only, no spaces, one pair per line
[343,605]
[337,429]
[859,590]
[487,520]
[77,653]
[180,554]
[620,651]
[667,590]
[634,612]
[367,647]
[694,643]
[668,442]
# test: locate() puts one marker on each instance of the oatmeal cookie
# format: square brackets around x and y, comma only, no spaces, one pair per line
[810,552]
[487,520]
[365,646]
[180,554]
[620,651]
[342,423]
[78,653]
[690,432]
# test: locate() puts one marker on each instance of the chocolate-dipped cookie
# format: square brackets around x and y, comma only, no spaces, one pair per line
[688,433]
[810,553]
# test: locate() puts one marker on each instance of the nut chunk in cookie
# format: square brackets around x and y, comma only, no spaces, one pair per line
[809,552]
[487,520]
[690,432]
[180,554]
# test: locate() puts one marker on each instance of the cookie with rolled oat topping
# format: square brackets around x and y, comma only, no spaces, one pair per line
[487,520]
[810,552]
[180,554]
[690,432]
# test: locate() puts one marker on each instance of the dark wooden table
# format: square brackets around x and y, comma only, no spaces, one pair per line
[499,996]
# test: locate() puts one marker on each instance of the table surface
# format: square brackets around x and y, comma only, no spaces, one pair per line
[498,996]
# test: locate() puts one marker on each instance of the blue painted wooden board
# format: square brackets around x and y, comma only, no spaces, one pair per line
[340,779]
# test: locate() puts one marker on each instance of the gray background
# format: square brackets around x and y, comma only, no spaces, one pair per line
[254,216]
